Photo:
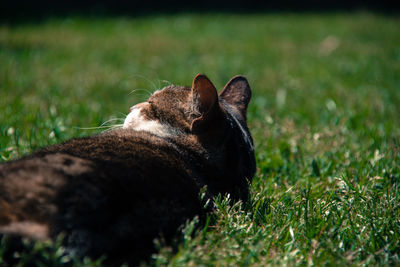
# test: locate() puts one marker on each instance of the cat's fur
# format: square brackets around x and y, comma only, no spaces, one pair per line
[113,193]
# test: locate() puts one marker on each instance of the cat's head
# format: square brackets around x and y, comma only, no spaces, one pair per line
[199,117]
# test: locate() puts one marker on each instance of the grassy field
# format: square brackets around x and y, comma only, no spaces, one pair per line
[325,116]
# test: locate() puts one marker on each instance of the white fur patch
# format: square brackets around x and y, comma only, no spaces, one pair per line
[137,122]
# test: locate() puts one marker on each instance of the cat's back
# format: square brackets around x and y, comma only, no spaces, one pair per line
[116,153]
[103,192]
[133,158]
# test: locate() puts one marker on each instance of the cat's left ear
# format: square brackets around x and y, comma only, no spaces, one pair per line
[237,93]
[205,96]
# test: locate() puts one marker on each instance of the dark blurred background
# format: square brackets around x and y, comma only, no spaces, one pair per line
[27,10]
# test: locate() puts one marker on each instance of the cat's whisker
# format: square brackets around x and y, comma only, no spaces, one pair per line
[93,128]
[110,120]
[122,114]
[104,125]
[113,127]
[146,79]
[117,125]
[159,84]
[141,89]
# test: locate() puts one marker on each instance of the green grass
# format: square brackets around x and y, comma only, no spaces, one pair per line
[325,116]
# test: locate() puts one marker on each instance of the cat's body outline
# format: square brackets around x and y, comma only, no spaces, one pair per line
[192,148]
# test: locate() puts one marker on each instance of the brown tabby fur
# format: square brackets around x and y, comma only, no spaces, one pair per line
[113,193]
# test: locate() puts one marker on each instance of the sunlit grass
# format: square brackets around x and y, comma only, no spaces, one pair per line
[324,116]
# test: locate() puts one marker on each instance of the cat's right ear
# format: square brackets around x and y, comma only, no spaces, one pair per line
[205,97]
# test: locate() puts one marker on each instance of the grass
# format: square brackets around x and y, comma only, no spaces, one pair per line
[324,116]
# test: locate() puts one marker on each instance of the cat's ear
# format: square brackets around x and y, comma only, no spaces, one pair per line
[237,93]
[205,97]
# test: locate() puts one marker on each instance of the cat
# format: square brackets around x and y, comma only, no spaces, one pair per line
[113,193]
